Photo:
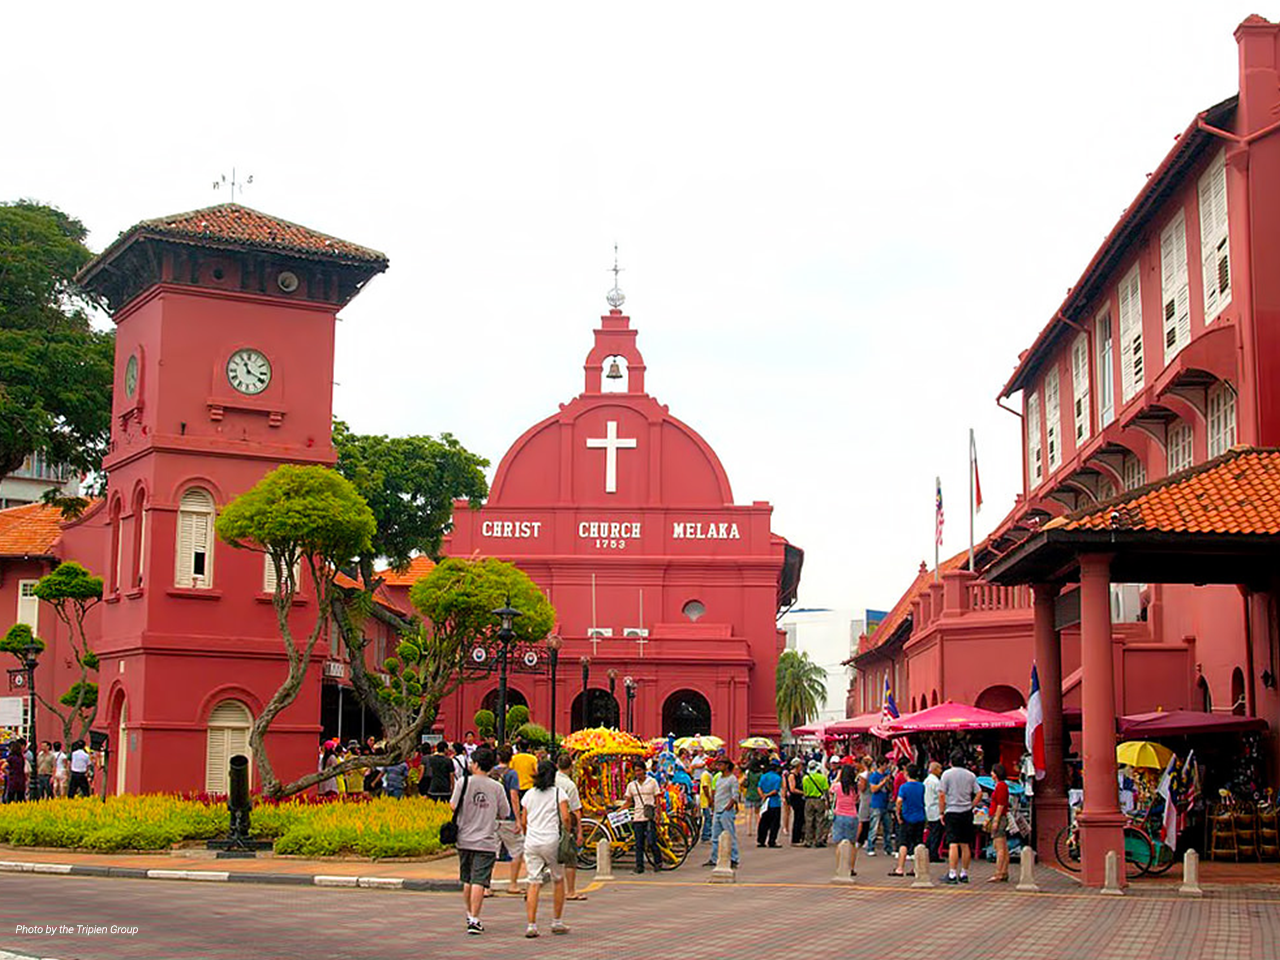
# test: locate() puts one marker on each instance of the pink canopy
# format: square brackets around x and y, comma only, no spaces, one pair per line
[953,716]
[862,723]
[1184,722]
[809,731]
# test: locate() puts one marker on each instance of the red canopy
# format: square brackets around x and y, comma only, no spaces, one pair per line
[1183,722]
[810,730]
[953,716]
[862,723]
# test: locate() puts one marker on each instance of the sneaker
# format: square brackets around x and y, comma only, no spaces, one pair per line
[733,864]
[950,878]
[871,853]
[531,931]
[558,926]
[709,863]
[475,927]
[964,878]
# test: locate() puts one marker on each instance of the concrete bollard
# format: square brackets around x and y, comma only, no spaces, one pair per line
[1191,875]
[1027,872]
[844,863]
[1111,882]
[723,870]
[604,859]
[922,881]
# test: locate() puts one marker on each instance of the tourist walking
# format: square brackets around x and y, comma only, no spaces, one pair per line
[911,817]
[933,816]
[770,787]
[754,770]
[478,803]
[509,830]
[328,759]
[997,824]
[845,796]
[544,812]
[394,778]
[725,806]
[80,770]
[816,786]
[44,771]
[864,800]
[564,782]
[957,793]
[437,774]
[15,784]
[880,784]
[642,795]
[61,769]
[795,801]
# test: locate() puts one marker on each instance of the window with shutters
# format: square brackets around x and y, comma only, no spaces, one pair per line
[269,575]
[1106,369]
[194,562]
[1215,253]
[228,735]
[1134,474]
[1080,387]
[28,604]
[1179,454]
[1175,297]
[117,547]
[1131,369]
[1106,489]
[1222,419]
[139,536]
[1035,465]
[1053,419]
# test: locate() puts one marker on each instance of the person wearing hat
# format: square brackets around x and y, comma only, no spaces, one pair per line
[795,800]
[770,787]
[815,786]
[328,760]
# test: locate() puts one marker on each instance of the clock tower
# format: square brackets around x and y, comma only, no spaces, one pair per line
[224,370]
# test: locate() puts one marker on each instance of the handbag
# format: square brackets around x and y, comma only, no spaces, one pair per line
[449,831]
[567,849]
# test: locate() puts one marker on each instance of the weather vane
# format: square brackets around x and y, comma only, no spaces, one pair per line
[233,183]
[615,297]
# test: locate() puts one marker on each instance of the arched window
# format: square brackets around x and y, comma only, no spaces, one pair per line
[1237,692]
[934,699]
[1178,450]
[686,713]
[1206,700]
[228,735]
[117,547]
[193,566]
[694,610]
[139,535]
[1222,418]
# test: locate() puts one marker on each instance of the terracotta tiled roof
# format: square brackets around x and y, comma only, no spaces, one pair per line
[380,595]
[418,568]
[29,530]
[1236,493]
[232,223]
[902,608]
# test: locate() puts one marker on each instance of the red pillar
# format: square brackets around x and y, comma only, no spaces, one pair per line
[1101,823]
[1051,793]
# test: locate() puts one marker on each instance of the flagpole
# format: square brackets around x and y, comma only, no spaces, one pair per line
[971,459]
[937,485]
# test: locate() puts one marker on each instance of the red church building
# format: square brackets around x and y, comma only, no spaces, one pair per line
[665,588]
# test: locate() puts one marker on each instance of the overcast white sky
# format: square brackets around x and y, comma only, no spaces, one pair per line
[840,223]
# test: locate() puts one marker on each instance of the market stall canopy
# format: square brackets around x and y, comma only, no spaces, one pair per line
[953,716]
[810,731]
[862,723]
[1186,723]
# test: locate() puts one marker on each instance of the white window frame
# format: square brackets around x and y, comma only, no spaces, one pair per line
[28,605]
[1035,453]
[1053,418]
[1132,367]
[1221,407]
[194,537]
[1133,472]
[1080,388]
[226,735]
[1104,334]
[1175,295]
[269,575]
[1215,238]
[1179,447]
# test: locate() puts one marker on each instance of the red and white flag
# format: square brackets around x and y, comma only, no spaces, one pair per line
[1035,725]
[973,462]
[1165,790]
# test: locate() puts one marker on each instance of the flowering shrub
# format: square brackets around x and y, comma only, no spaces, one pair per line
[373,828]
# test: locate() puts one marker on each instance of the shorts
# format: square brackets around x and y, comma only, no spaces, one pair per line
[959,826]
[1000,830]
[541,860]
[511,837]
[844,828]
[910,835]
[864,829]
[476,866]
[752,804]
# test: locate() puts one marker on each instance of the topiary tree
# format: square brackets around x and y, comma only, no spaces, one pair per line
[72,592]
[307,520]
[517,716]
[535,733]
[485,723]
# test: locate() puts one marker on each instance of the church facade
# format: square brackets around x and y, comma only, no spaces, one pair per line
[667,591]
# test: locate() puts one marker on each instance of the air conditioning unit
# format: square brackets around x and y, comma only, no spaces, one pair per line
[1126,602]
[335,668]
[635,632]
[599,632]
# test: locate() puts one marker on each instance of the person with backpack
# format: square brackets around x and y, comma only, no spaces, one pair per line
[544,814]
[478,802]
[816,787]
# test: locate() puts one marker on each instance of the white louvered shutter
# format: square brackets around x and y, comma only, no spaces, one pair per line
[193,565]
[1035,465]
[215,764]
[228,735]
[1106,369]
[269,578]
[1175,297]
[1179,455]
[1131,368]
[28,604]
[1053,419]
[1080,387]
[1215,253]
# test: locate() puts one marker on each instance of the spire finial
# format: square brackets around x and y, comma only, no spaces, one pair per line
[615,297]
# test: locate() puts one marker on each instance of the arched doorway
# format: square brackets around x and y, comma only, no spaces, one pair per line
[1237,692]
[228,735]
[934,701]
[686,713]
[602,710]
[514,698]
[1206,699]
[1000,698]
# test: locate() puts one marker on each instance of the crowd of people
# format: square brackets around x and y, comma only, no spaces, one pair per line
[46,773]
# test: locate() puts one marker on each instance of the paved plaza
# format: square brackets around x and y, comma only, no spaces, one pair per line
[782,900]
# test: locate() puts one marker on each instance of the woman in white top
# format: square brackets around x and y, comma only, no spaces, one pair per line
[544,812]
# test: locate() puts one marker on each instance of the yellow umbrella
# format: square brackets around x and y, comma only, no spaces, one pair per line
[702,740]
[1143,753]
[758,743]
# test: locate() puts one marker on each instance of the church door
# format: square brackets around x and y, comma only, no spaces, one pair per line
[685,714]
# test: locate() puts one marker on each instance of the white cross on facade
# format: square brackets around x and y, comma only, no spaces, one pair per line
[611,444]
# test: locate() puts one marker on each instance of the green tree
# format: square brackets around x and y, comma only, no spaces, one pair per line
[306,519]
[56,372]
[72,592]
[485,723]
[800,689]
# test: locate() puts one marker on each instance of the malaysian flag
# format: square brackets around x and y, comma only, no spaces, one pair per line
[939,511]
[889,711]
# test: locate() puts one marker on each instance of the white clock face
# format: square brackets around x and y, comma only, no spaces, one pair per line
[249,371]
[131,375]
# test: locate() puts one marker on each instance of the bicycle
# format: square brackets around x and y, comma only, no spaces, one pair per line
[672,844]
[1142,854]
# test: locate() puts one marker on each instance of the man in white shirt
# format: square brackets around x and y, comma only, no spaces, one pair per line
[565,784]
[933,813]
[79,770]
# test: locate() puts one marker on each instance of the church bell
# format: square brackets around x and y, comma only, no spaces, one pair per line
[615,372]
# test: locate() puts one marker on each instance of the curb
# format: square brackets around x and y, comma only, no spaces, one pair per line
[225,876]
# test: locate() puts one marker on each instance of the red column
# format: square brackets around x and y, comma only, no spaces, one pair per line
[1051,794]
[1101,823]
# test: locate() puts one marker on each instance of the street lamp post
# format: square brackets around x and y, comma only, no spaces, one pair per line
[506,617]
[553,645]
[29,663]
[613,684]
[586,689]
[630,684]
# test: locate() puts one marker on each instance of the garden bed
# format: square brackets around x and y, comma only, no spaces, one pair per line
[376,829]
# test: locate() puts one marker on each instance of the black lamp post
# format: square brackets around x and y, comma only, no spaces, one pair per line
[613,686]
[630,684]
[29,663]
[586,688]
[553,645]
[506,617]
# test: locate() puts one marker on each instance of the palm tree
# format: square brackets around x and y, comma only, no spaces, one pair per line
[801,689]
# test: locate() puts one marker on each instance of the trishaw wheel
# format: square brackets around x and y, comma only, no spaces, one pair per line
[1067,849]
[1138,853]
[592,831]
